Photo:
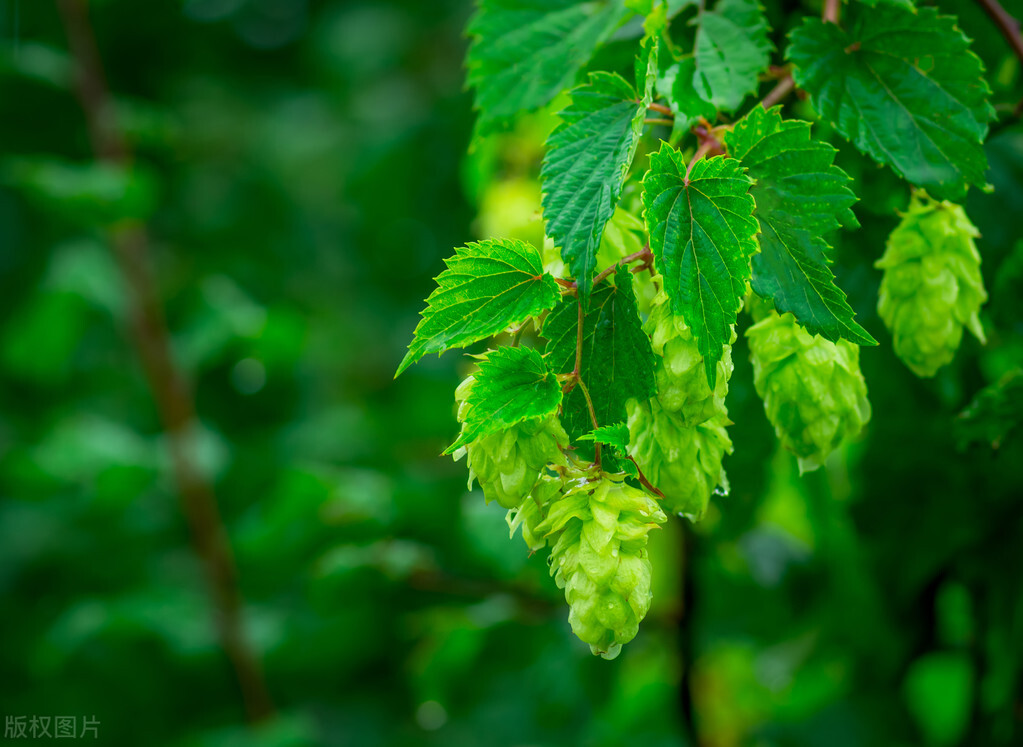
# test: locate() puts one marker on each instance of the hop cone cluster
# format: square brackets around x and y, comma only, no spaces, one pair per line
[932,286]
[598,534]
[508,463]
[683,462]
[682,385]
[813,391]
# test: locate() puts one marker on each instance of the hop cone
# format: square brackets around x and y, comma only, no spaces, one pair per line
[682,385]
[813,391]
[598,532]
[683,462]
[508,463]
[932,285]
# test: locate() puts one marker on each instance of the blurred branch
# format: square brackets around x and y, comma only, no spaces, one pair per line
[1009,26]
[687,636]
[174,402]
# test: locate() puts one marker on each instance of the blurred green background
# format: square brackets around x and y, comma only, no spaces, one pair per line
[301,167]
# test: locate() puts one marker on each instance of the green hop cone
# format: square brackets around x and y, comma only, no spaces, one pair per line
[813,391]
[598,534]
[932,286]
[508,463]
[682,385]
[683,462]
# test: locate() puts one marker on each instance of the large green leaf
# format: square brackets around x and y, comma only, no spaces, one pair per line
[512,385]
[675,85]
[905,88]
[702,234]
[732,49]
[525,52]
[617,362]
[587,160]
[487,287]
[800,195]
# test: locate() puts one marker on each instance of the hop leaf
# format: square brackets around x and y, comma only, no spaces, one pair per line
[616,363]
[732,49]
[702,234]
[512,385]
[904,87]
[932,286]
[682,386]
[525,52]
[683,462]
[813,391]
[509,461]
[487,287]
[801,196]
[587,160]
[598,533]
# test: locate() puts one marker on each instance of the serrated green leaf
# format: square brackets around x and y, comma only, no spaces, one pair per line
[587,160]
[512,385]
[488,286]
[616,435]
[675,85]
[525,52]
[732,49]
[617,362]
[905,88]
[800,195]
[702,235]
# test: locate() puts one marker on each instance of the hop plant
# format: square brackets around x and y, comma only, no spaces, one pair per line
[813,391]
[598,532]
[682,385]
[508,463]
[683,462]
[932,286]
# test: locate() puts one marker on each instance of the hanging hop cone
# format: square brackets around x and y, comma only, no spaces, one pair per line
[682,385]
[683,462]
[598,534]
[932,286]
[508,463]
[812,389]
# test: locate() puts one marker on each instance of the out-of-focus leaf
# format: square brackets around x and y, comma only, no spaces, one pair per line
[994,413]
[89,194]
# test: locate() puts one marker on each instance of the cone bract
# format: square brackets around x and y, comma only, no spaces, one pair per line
[598,532]
[682,385]
[932,286]
[813,391]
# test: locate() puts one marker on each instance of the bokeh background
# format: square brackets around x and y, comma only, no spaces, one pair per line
[301,170]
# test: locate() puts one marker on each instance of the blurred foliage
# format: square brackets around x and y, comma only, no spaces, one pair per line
[300,165]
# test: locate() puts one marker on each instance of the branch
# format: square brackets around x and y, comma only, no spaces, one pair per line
[1008,25]
[643,254]
[148,329]
[832,9]
[785,86]
[642,479]
[661,109]
[705,147]
[593,418]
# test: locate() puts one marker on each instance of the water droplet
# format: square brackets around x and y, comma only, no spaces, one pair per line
[721,491]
